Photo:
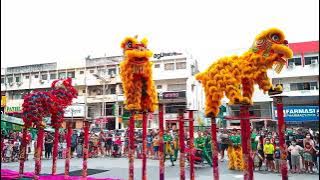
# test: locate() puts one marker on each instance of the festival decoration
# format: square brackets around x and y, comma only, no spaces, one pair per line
[139,89]
[136,75]
[230,75]
[41,104]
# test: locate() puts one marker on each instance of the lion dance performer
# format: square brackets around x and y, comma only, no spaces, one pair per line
[136,75]
[139,89]
[235,76]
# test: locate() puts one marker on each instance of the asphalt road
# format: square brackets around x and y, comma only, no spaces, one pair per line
[118,168]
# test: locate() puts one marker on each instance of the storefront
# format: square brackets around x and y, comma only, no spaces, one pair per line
[9,123]
[301,116]
[74,114]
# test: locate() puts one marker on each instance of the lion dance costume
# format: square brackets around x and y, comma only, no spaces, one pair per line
[136,75]
[230,75]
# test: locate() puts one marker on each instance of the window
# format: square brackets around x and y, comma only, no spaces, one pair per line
[313,86]
[181,65]
[174,107]
[2,80]
[44,77]
[62,75]
[17,78]
[177,87]
[91,71]
[10,79]
[303,86]
[27,77]
[53,76]
[81,72]
[71,74]
[157,66]
[159,86]
[16,95]
[84,91]
[112,71]
[310,60]
[113,90]
[169,66]
[36,76]
[295,61]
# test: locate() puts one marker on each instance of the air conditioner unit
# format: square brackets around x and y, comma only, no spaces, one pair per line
[19,83]
[11,84]
[314,61]
[41,81]
[291,64]
[112,75]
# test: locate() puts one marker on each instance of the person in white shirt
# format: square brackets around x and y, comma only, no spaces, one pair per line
[295,150]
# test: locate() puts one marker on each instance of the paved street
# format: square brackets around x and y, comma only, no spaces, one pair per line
[119,168]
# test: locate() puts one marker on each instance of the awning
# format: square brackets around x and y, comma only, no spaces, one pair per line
[18,121]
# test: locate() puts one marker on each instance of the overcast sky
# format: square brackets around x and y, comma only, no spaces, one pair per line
[37,31]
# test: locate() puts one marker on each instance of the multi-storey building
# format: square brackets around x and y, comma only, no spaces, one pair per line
[100,89]
[300,81]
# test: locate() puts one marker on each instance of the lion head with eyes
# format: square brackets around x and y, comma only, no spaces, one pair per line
[136,51]
[272,43]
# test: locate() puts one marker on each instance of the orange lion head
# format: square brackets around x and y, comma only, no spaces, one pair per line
[136,51]
[272,43]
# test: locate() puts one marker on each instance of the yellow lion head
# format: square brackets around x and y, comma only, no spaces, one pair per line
[136,51]
[272,43]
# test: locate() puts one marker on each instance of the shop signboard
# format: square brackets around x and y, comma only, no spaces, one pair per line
[75,111]
[174,95]
[300,113]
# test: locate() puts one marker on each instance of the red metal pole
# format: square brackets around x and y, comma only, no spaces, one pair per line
[131,146]
[281,131]
[214,147]
[144,146]
[191,145]
[246,142]
[86,125]
[161,149]
[55,151]
[23,151]
[38,152]
[181,141]
[68,153]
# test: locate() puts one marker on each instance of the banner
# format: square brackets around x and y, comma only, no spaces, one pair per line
[300,113]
